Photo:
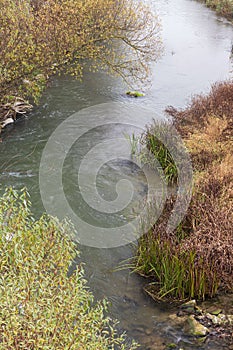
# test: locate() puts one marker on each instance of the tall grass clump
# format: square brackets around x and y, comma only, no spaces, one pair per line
[158,144]
[42,305]
[196,260]
[176,271]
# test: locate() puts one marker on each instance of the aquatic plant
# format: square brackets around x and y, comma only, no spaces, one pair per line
[154,146]
[134,143]
[44,304]
[175,272]
[135,93]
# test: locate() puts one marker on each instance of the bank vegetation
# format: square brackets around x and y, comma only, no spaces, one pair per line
[196,259]
[222,7]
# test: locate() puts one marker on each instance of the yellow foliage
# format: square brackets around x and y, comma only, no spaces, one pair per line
[47,37]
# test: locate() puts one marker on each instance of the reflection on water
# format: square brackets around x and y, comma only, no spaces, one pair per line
[197,49]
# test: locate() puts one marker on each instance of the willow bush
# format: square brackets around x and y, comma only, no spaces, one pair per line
[41,38]
[42,305]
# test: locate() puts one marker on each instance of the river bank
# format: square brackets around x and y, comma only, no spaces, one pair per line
[196,259]
[222,7]
[203,239]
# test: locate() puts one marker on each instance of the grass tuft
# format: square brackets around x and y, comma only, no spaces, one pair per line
[157,146]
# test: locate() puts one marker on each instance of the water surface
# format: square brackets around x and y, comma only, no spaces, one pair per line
[197,48]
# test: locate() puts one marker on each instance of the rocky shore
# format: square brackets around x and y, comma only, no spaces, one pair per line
[210,321]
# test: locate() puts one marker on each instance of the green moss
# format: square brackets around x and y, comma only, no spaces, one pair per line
[135,94]
[171,346]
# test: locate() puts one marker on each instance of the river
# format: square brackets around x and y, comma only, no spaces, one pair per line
[197,49]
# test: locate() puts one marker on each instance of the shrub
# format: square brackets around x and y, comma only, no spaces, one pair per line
[42,306]
[54,36]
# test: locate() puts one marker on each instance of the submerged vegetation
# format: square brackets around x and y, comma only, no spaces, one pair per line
[135,93]
[196,260]
[43,304]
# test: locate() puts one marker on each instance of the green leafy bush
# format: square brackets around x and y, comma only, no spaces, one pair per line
[42,306]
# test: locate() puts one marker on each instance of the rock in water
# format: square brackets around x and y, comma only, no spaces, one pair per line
[194,328]
[189,304]
[214,311]
[188,308]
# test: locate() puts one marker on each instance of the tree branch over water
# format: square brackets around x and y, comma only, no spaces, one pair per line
[42,38]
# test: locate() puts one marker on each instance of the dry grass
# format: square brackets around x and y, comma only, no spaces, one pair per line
[218,102]
[204,239]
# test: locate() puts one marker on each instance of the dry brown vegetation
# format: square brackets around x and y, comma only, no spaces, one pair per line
[201,248]
[218,102]
[207,126]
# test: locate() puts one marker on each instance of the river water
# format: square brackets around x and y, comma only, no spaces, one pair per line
[197,49]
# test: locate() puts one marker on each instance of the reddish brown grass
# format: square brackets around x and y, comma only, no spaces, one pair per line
[207,229]
[218,102]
